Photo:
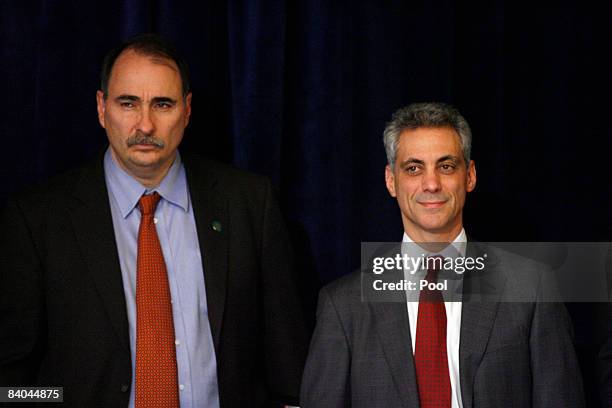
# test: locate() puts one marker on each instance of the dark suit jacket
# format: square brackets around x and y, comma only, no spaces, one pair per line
[63,318]
[511,354]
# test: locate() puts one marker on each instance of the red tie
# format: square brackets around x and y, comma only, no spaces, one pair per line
[430,356]
[156,372]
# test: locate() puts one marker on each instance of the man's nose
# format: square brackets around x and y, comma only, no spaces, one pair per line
[146,124]
[431,181]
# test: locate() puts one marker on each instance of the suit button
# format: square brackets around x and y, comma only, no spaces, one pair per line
[124,387]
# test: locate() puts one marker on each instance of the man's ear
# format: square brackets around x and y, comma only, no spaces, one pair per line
[187,108]
[101,106]
[390,180]
[471,177]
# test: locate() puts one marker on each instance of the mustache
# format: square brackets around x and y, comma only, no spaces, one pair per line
[141,139]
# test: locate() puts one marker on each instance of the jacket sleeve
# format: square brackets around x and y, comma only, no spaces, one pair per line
[21,300]
[285,335]
[604,355]
[556,377]
[326,380]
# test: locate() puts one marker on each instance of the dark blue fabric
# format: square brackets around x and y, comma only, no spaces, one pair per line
[300,91]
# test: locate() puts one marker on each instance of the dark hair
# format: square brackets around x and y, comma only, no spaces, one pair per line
[426,114]
[148,44]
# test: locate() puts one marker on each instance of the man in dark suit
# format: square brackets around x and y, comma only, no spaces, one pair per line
[504,343]
[148,278]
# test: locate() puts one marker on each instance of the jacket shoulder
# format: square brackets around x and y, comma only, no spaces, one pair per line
[345,292]
[34,199]
[203,169]
[525,279]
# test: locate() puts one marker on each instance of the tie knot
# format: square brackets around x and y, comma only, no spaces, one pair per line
[434,265]
[148,203]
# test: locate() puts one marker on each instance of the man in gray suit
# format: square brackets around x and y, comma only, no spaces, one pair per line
[502,345]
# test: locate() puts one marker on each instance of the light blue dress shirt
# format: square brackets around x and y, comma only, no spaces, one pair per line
[178,236]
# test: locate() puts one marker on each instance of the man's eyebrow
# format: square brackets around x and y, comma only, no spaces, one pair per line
[132,98]
[448,157]
[411,160]
[166,99]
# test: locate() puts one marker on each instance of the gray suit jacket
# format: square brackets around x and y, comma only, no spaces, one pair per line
[511,354]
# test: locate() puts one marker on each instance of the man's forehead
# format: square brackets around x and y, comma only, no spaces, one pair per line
[134,71]
[164,61]
[135,56]
[443,140]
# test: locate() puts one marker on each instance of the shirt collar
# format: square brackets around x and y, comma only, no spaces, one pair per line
[459,245]
[127,190]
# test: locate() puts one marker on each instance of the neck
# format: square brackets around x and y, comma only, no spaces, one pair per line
[151,180]
[421,236]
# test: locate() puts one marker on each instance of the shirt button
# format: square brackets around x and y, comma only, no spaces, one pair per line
[124,387]
[181,387]
[154,220]
[177,342]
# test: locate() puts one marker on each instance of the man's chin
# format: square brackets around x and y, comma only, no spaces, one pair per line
[434,225]
[146,160]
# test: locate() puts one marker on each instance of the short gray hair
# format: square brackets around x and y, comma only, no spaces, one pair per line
[426,114]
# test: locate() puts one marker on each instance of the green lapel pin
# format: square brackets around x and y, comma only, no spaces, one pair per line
[216,226]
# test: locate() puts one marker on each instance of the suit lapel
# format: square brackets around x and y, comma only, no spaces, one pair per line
[393,331]
[481,291]
[91,219]
[212,222]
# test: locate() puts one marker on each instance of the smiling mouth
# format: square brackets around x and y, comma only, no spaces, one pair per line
[432,204]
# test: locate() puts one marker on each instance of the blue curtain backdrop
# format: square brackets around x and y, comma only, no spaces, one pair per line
[300,91]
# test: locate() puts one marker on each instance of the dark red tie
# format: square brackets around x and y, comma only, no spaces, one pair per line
[430,356]
[156,372]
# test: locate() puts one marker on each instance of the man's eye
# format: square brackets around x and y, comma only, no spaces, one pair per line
[163,105]
[127,105]
[447,167]
[412,169]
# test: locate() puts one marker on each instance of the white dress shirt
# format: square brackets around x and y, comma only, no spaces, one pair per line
[453,320]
